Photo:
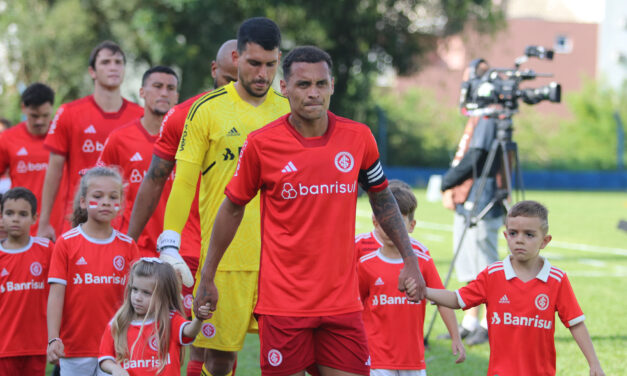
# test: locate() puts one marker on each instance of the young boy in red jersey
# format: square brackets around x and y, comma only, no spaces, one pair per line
[24,262]
[394,325]
[522,293]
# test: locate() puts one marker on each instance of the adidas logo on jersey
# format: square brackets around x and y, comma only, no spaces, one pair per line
[289,167]
[504,300]
[22,152]
[91,129]
[81,261]
[4,273]
[378,282]
[233,132]
[136,157]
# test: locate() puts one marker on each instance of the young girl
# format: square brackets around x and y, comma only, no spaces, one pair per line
[146,334]
[87,275]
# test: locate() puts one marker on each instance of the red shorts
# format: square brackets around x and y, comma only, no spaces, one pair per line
[23,365]
[293,344]
[188,292]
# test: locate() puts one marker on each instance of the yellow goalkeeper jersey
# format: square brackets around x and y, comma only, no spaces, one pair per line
[216,127]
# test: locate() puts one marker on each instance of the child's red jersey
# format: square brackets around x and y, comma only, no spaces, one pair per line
[94,272]
[78,132]
[145,358]
[308,190]
[24,155]
[393,324]
[368,242]
[521,316]
[23,298]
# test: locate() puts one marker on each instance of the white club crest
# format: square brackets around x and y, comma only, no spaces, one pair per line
[344,161]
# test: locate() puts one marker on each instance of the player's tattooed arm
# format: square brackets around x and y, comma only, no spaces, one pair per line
[149,194]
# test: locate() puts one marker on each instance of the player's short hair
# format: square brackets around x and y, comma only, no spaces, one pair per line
[106,45]
[529,208]
[37,94]
[5,122]
[305,54]
[404,196]
[23,193]
[159,69]
[260,30]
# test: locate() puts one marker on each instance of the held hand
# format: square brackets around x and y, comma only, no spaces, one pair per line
[410,287]
[447,199]
[458,349]
[410,272]
[46,231]
[204,312]
[168,245]
[55,352]
[206,297]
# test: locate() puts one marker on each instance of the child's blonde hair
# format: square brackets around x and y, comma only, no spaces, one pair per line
[166,297]
[79,215]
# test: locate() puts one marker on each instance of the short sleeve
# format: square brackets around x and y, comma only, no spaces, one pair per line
[58,137]
[430,274]
[567,306]
[109,154]
[107,346]
[246,181]
[371,176]
[59,264]
[194,141]
[170,134]
[475,292]
[178,324]
[364,282]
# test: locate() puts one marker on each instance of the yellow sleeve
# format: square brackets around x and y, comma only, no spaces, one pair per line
[181,196]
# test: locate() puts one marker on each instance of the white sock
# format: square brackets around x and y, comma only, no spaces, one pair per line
[470,322]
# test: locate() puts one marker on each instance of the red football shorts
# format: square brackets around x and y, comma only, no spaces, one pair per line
[188,292]
[292,344]
[23,365]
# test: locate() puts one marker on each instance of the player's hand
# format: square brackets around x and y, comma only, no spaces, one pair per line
[596,370]
[168,245]
[206,297]
[55,351]
[458,349]
[447,199]
[46,231]
[411,272]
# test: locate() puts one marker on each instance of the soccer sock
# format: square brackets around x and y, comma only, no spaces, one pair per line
[470,322]
[194,367]
[204,372]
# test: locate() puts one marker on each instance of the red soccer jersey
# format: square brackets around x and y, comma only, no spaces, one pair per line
[78,132]
[521,316]
[308,202]
[94,272]
[165,148]
[130,148]
[24,155]
[393,324]
[145,359]
[368,242]
[23,298]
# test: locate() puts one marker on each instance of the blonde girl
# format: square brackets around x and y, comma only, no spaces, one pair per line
[147,332]
[88,272]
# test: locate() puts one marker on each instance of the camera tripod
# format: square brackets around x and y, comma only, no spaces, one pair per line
[504,148]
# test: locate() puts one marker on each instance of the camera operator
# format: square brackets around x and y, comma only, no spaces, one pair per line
[459,186]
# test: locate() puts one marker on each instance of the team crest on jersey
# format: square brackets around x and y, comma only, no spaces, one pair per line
[36,269]
[118,263]
[188,300]
[153,343]
[208,330]
[344,161]
[275,357]
[542,302]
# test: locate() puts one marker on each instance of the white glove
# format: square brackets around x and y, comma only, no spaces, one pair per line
[168,245]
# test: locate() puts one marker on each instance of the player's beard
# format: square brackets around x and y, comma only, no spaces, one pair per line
[249,90]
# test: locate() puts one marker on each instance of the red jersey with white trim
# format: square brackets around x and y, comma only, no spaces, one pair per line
[368,242]
[130,148]
[308,201]
[165,148]
[78,132]
[521,316]
[24,297]
[393,324]
[145,358]
[24,155]
[94,272]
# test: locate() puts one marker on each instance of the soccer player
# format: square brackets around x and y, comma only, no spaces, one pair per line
[223,71]
[24,263]
[215,131]
[131,145]
[394,325]
[79,129]
[22,149]
[306,165]
[522,293]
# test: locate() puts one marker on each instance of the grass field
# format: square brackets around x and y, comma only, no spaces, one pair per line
[586,244]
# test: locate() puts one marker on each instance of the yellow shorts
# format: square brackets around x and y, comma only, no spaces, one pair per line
[227,328]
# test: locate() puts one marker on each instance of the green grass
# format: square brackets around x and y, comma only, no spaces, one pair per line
[586,244]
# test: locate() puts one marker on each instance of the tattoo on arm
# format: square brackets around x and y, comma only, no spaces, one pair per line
[160,169]
[386,211]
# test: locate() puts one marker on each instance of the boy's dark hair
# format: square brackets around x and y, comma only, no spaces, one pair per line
[7,124]
[305,54]
[159,69]
[404,197]
[37,94]
[259,30]
[106,45]
[23,193]
[530,208]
